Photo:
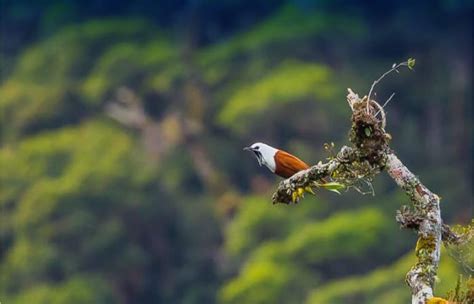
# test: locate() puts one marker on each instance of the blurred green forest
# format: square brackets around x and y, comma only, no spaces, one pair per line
[123,178]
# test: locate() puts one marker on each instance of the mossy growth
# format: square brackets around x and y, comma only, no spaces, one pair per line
[424,243]
[425,246]
[367,132]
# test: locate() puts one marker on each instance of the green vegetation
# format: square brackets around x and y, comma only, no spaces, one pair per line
[289,82]
[170,209]
[288,25]
[380,286]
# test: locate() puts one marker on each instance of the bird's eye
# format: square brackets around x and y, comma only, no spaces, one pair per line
[257,147]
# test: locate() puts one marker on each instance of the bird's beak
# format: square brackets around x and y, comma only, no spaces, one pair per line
[258,155]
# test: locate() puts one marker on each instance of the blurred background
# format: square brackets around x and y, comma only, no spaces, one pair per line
[123,178]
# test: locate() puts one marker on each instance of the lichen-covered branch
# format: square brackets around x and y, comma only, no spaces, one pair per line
[422,275]
[410,219]
[306,178]
[369,155]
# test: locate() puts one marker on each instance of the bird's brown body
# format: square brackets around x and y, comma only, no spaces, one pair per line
[286,165]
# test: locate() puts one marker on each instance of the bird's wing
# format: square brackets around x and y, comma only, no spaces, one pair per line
[287,164]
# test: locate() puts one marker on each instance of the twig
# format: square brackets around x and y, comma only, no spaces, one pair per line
[394,68]
[385,103]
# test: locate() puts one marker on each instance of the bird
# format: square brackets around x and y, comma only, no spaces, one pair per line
[277,161]
[286,165]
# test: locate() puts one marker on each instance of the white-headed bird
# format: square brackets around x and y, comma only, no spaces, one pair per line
[286,165]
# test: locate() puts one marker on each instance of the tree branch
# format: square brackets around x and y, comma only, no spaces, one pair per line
[306,178]
[368,156]
[421,276]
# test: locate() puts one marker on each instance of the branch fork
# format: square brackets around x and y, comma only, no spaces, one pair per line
[368,155]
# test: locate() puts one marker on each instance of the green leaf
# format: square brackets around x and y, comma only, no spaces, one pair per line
[367,132]
[333,186]
[411,63]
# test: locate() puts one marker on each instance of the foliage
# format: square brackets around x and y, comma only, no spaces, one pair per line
[62,79]
[463,292]
[78,195]
[289,82]
[77,290]
[307,249]
[288,25]
[383,285]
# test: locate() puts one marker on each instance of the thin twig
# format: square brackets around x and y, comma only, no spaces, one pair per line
[394,68]
[386,103]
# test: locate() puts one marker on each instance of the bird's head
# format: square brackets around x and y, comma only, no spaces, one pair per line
[264,154]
